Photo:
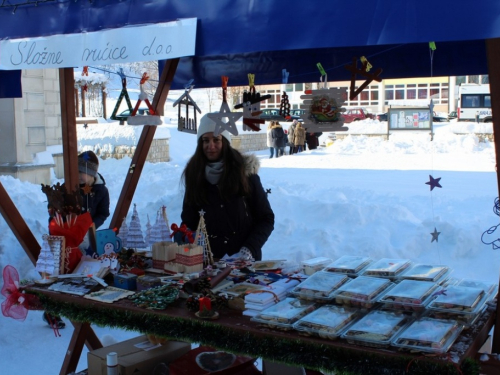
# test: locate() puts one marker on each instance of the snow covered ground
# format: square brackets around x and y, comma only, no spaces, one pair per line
[361,195]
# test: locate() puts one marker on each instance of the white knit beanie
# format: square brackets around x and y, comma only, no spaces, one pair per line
[207,125]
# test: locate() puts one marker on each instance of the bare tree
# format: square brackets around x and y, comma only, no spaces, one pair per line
[212,95]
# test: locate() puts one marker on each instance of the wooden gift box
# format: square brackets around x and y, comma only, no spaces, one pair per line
[125,281]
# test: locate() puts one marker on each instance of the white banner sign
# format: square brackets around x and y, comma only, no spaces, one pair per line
[127,44]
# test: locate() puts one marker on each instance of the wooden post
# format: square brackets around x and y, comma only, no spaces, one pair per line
[493,52]
[18,226]
[104,96]
[77,102]
[142,149]
[83,102]
[68,120]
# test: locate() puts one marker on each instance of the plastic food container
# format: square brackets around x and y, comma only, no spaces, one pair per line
[387,267]
[464,304]
[489,288]
[328,321]
[351,265]
[426,272]
[429,335]
[377,328]
[320,286]
[362,292]
[284,313]
[314,265]
[410,295]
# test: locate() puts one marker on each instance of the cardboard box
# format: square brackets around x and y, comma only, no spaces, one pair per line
[188,364]
[133,360]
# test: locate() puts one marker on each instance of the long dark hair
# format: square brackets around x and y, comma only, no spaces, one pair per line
[233,180]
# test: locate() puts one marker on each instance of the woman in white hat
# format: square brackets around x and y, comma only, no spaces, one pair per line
[224,184]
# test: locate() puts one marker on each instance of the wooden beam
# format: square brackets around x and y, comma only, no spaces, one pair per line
[68,120]
[142,149]
[18,226]
[493,52]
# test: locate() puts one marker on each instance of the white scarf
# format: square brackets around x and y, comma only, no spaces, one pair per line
[213,171]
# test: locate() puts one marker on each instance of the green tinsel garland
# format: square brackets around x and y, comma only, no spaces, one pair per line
[291,352]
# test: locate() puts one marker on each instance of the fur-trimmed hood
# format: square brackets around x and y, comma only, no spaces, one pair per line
[252,164]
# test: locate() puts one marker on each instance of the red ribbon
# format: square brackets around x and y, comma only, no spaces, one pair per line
[17,302]
[183,229]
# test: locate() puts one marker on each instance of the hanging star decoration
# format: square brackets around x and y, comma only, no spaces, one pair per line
[433,182]
[85,126]
[225,112]
[435,235]
[201,212]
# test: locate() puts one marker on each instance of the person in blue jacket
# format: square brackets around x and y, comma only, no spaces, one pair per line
[224,183]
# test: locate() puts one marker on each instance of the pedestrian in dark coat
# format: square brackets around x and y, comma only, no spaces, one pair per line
[278,137]
[224,184]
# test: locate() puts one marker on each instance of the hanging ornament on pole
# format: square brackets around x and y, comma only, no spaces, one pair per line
[187,124]
[364,72]
[123,94]
[149,119]
[251,106]
[323,107]
[225,112]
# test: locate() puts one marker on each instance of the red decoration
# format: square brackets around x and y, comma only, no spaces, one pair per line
[205,304]
[183,229]
[17,302]
[73,230]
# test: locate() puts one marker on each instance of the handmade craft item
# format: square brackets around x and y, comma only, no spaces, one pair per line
[364,72]
[323,107]
[251,106]
[123,94]
[225,112]
[68,221]
[202,240]
[187,124]
[151,118]
[47,264]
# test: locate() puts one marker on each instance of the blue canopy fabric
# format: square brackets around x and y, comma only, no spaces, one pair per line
[237,37]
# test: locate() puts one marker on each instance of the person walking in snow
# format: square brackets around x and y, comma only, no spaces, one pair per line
[278,137]
[291,135]
[224,183]
[270,139]
[299,138]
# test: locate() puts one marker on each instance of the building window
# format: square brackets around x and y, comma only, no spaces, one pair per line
[422,93]
[400,94]
[411,94]
[299,87]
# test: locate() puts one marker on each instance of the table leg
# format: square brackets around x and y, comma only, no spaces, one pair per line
[82,334]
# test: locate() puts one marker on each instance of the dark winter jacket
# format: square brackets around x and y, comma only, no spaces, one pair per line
[278,136]
[97,201]
[240,222]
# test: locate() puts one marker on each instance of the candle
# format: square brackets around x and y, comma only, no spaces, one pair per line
[205,304]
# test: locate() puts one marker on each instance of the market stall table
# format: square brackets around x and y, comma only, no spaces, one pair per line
[235,333]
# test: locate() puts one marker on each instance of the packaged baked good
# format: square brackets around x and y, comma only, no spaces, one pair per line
[387,267]
[328,321]
[426,272]
[314,265]
[461,303]
[284,313]
[411,295]
[459,299]
[320,286]
[489,288]
[363,291]
[351,265]
[428,335]
[377,328]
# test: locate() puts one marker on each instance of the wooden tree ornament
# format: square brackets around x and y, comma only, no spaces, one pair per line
[225,112]
[363,71]
[187,124]
[201,237]
[152,118]
[123,94]
[251,106]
